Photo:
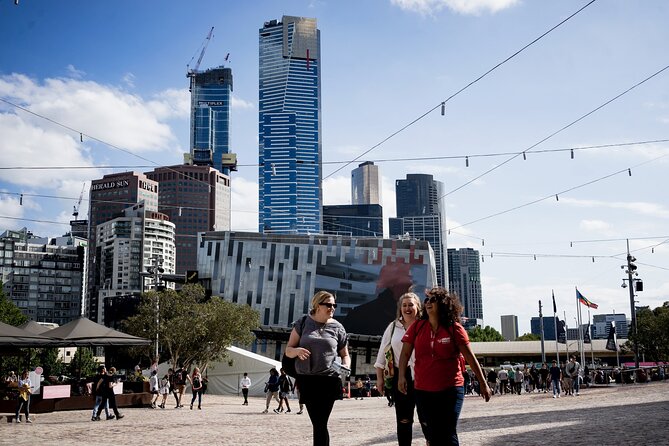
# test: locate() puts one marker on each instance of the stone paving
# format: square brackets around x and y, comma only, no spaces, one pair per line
[615,415]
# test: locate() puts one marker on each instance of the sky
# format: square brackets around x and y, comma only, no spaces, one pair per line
[106,84]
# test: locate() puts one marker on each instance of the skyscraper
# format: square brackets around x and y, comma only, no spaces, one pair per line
[420,214]
[290,175]
[464,276]
[210,116]
[356,220]
[365,187]
[510,327]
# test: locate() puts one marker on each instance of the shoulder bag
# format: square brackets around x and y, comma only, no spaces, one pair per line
[288,364]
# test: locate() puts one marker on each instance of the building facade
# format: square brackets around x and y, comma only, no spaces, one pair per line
[109,197]
[290,151]
[464,275]
[127,246]
[601,324]
[196,199]
[357,220]
[549,327]
[421,215]
[509,327]
[211,93]
[365,184]
[44,277]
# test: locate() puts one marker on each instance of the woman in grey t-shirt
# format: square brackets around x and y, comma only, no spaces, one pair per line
[316,341]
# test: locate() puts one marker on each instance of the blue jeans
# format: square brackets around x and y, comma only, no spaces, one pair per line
[575,383]
[556,386]
[438,413]
[98,401]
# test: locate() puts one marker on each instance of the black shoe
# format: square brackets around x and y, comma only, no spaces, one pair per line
[110,417]
[191,407]
[93,419]
[119,416]
[97,418]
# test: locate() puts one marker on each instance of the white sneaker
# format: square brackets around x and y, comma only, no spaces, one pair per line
[558,395]
[554,396]
[28,420]
[577,393]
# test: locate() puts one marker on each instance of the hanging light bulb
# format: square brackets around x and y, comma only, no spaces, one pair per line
[443,108]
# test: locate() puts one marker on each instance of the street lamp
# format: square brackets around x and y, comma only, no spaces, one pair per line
[634,284]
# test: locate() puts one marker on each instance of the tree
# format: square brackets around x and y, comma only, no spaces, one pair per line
[83,363]
[652,333]
[192,328]
[529,337]
[10,313]
[487,334]
[50,361]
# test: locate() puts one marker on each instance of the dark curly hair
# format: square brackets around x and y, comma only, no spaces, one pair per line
[448,304]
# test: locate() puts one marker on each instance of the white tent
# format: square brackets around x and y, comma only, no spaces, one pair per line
[224,377]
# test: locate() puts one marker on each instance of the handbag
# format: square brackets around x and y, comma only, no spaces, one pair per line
[288,364]
[389,368]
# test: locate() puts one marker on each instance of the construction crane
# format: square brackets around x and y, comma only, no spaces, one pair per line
[191,72]
[75,213]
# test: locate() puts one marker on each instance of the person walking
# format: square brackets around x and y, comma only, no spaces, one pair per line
[180,379]
[492,381]
[518,377]
[388,362]
[106,388]
[272,388]
[556,375]
[197,386]
[316,341]
[96,391]
[543,375]
[25,390]
[503,381]
[439,342]
[285,388]
[245,383]
[154,386]
[164,390]
[573,368]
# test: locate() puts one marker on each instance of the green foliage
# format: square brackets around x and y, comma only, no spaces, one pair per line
[529,337]
[83,363]
[192,329]
[653,333]
[10,313]
[48,359]
[487,334]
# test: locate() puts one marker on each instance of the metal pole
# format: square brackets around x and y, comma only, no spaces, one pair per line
[632,307]
[566,337]
[614,337]
[592,351]
[541,325]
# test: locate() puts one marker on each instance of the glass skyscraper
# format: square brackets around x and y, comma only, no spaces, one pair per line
[290,175]
[464,277]
[365,187]
[210,116]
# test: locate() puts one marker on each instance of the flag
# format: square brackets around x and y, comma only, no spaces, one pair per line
[611,340]
[586,335]
[581,298]
[554,306]
[561,332]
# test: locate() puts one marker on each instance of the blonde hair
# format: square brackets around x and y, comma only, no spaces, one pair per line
[319,298]
[416,301]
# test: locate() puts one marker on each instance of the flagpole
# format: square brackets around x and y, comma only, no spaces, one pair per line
[592,351]
[580,328]
[555,325]
[613,323]
[566,336]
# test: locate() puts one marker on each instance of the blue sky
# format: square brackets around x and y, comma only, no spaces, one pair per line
[116,71]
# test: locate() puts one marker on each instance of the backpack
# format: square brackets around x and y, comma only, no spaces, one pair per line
[389,369]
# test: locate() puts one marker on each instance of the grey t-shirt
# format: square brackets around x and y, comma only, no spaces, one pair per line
[323,341]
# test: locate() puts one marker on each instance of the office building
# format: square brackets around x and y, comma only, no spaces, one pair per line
[509,327]
[549,327]
[44,276]
[126,247]
[196,199]
[211,92]
[420,215]
[365,184]
[356,220]
[601,324]
[464,275]
[109,197]
[290,158]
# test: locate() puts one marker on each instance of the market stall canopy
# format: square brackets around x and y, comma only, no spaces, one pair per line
[11,336]
[83,332]
[35,328]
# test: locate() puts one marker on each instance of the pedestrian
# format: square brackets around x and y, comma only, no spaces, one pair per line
[180,379]
[285,388]
[272,388]
[316,341]
[197,386]
[154,387]
[408,310]
[534,378]
[439,342]
[492,381]
[556,375]
[164,389]
[25,390]
[96,391]
[245,383]
[503,381]
[543,374]
[573,368]
[106,388]
[519,377]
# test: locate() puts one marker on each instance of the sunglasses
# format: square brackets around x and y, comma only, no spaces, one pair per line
[328,304]
[431,299]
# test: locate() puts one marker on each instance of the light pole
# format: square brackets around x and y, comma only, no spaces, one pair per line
[156,269]
[631,272]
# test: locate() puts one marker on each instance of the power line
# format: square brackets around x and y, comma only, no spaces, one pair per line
[443,103]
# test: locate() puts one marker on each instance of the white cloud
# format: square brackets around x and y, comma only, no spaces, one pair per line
[171,103]
[74,73]
[598,226]
[244,205]
[129,80]
[337,190]
[240,104]
[639,207]
[473,7]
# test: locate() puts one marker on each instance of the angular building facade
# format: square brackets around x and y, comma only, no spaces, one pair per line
[44,276]
[509,327]
[290,158]
[365,184]
[356,220]
[196,199]
[464,279]
[211,92]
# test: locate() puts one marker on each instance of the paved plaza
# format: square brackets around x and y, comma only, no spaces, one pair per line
[615,415]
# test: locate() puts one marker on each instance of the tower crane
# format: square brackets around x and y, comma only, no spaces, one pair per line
[75,213]
[191,72]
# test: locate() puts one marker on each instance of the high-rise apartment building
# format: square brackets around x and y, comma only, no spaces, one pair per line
[601,324]
[464,276]
[421,215]
[290,158]
[211,92]
[356,220]
[109,197]
[365,184]
[44,276]
[196,199]
[509,327]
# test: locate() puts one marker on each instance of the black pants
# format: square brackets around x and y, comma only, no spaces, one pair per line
[197,394]
[112,404]
[245,392]
[404,410]
[319,393]
[319,414]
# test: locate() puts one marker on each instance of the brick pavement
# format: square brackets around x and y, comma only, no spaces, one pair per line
[620,415]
